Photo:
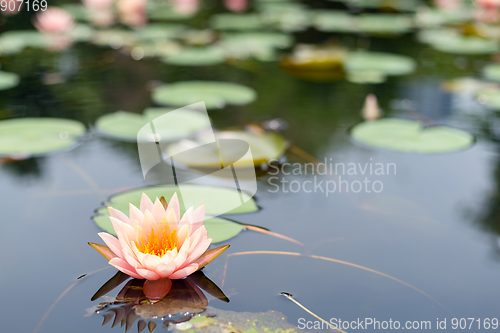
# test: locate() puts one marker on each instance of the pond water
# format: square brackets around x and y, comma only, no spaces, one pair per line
[432,228]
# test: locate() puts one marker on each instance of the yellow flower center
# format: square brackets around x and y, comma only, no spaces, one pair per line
[157,245]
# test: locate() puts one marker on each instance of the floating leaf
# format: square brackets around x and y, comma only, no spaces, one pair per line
[230,21]
[377,62]
[125,126]
[158,31]
[435,16]
[450,41]
[196,56]
[492,72]
[384,23]
[410,136]
[258,44]
[489,96]
[219,229]
[32,136]
[215,94]
[8,80]
[265,147]
[406,5]
[13,42]
[334,21]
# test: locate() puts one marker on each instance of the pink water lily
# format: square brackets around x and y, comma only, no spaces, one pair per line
[53,20]
[154,242]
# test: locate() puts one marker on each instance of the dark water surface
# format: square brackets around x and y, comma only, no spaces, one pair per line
[434,226]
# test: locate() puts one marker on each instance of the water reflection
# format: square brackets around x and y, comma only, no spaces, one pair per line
[184,300]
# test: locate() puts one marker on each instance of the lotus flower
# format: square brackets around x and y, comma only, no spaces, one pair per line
[236,5]
[132,12]
[155,243]
[53,20]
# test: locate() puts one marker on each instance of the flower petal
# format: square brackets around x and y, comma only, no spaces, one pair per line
[118,215]
[199,250]
[135,215]
[124,267]
[146,203]
[198,217]
[158,211]
[147,274]
[165,270]
[173,205]
[150,261]
[112,242]
[184,272]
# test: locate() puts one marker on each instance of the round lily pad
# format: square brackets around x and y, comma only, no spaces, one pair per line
[34,136]
[334,21]
[196,56]
[214,198]
[14,41]
[230,21]
[406,5]
[410,136]
[492,72]
[158,31]
[384,23]
[215,94]
[125,126]
[449,41]
[260,45]
[383,63]
[8,80]
[489,96]
[264,147]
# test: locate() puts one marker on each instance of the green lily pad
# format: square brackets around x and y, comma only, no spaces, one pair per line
[231,21]
[196,56]
[384,23]
[219,229]
[13,42]
[410,136]
[125,126]
[428,17]
[288,17]
[34,136]
[215,94]
[260,45]
[366,76]
[406,5]
[164,11]
[492,72]
[334,21]
[8,80]
[214,198]
[158,31]
[383,63]
[449,41]
[265,147]
[490,97]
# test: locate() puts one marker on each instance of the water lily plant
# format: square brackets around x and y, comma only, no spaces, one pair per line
[155,243]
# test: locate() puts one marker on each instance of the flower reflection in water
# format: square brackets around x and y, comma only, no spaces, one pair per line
[184,300]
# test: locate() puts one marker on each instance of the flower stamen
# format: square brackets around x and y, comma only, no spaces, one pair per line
[157,245]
